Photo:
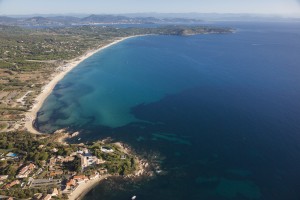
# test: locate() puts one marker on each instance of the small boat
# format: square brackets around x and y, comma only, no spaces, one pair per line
[134,197]
[79,138]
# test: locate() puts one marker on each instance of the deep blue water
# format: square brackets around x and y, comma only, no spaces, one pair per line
[224,111]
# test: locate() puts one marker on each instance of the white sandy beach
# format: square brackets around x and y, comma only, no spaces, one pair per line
[47,89]
[84,188]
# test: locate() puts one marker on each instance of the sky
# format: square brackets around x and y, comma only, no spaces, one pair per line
[21,7]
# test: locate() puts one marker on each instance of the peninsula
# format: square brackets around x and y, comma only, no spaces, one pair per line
[42,166]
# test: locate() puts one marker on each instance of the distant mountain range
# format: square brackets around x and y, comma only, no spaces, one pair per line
[90,20]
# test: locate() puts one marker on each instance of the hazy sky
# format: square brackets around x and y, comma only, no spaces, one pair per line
[283,7]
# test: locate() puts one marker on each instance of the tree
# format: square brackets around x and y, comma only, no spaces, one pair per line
[3,163]
[10,170]
[10,145]
[43,156]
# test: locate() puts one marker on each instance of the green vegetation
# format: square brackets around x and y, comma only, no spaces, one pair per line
[51,159]
[21,193]
[116,162]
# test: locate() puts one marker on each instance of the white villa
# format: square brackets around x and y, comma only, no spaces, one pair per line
[107,150]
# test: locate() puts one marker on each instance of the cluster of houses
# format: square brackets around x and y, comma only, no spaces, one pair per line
[86,160]
[40,196]
[11,184]
[25,171]
[76,180]
[55,164]
[55,169]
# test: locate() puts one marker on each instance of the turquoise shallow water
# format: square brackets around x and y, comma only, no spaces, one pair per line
[108,86]
[223,109]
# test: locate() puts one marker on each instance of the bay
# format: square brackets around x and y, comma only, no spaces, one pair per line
[222,109]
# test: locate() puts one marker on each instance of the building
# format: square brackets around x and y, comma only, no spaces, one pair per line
[103,171]
[87,159]
[94,176]
[71,184]
[83,162]
[69,159]
[107,149]
[52,163]
[40,170]
[3,177]
[25,171]
[11,184]
[37,196]
[80,179]
[45,182]
[47,197]
[55,173]
[54,192]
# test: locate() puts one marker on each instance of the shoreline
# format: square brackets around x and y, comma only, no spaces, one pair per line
[86,187]
[31,115]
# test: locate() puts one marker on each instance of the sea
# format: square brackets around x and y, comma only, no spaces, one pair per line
[222,111]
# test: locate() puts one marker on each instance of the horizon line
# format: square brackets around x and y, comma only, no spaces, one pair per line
[163,13]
